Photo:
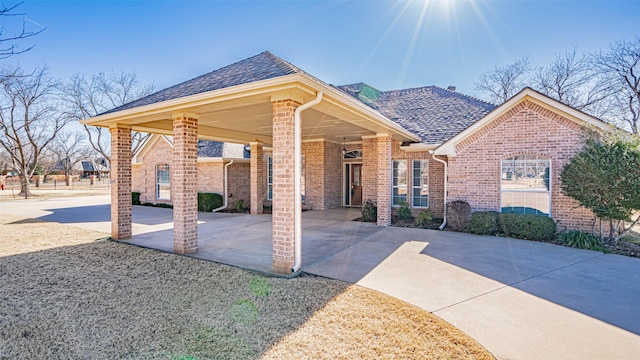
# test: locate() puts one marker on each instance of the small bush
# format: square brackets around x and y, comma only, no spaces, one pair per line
[424,218]
[580,240]
[484,223]
[520,226]
[239,205]
[209,201]
[404,212]
[369,211]
[528,227]
[135,198]
[458,215]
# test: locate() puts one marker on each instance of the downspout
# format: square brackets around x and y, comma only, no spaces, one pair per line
[297,172]
[226,188]
[444,222]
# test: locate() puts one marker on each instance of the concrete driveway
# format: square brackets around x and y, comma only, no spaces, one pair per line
[520,299]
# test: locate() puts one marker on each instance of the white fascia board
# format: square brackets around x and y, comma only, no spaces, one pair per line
[222,160]
[419,147]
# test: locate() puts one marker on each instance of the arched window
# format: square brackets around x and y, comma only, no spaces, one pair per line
[352,154]
[525,185]
[163,182]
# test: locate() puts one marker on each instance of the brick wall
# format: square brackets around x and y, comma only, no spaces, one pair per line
[322,162]
[474,174]
[184,184]
[239,183]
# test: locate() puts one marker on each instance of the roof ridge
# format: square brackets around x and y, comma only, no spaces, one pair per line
[462,94]
[282,64]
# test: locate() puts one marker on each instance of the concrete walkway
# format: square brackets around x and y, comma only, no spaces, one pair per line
[520,299]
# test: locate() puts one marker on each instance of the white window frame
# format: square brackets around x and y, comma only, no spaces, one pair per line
[511,160]
[158,183]
[395,182]
[424,166]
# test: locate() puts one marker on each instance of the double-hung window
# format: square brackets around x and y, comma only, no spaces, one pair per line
[399,184]
[163,182]
[525,185]
[420,184]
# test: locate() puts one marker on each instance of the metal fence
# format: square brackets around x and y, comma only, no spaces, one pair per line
[55,184]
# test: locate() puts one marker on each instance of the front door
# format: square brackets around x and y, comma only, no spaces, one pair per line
[356,184]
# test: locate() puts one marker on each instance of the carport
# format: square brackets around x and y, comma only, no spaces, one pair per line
[258,101]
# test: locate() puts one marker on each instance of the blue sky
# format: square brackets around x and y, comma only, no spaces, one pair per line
[388,44]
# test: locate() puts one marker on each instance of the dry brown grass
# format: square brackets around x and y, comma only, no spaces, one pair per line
[12,195]
[65,295]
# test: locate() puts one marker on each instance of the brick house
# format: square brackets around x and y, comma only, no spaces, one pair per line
[321,146]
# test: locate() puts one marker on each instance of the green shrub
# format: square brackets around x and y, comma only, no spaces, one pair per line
[135,198]
[484,223]
[209,201]
[369,211]
[528,227]
[239,205]
[580,240]
[404,212]
[520,226]
[424,218]
[458,215]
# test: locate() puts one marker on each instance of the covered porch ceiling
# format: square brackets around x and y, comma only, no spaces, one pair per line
[243,113]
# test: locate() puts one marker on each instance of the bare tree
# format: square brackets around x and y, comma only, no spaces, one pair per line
[620,66]
[570,79]
[87,97]
[69,149]
[29,120]
[502,82]
[8,45]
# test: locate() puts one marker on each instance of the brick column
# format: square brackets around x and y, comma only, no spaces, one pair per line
[184,183]
[384,180]
[370,168]
[258,181]
[283,226]
[120,183]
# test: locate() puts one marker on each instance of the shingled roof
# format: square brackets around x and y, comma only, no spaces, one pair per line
[259,67]
[433,113]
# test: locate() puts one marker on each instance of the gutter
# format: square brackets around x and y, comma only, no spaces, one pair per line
[226,188]
[444,222]
[297,135]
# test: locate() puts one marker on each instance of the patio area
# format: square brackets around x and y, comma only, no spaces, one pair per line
[245,240]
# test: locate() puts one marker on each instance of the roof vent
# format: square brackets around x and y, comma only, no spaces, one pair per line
[451,88]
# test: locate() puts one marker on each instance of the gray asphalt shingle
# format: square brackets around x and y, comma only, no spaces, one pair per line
[434,114]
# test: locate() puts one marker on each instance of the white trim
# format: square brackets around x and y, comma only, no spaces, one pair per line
[549,191]
[222,160]
[419,147]
[449,147]
[321,139]
[300,81]
[146,147]
[413,185]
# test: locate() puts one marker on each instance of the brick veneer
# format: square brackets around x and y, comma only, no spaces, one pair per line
[283,226]
[322,161]
[370,169]
[120,183]
[258,178]
[384,180]
[527,128]
[144,173]
[184,184]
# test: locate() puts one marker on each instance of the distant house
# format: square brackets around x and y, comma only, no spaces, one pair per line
[98,167]
[423,147]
